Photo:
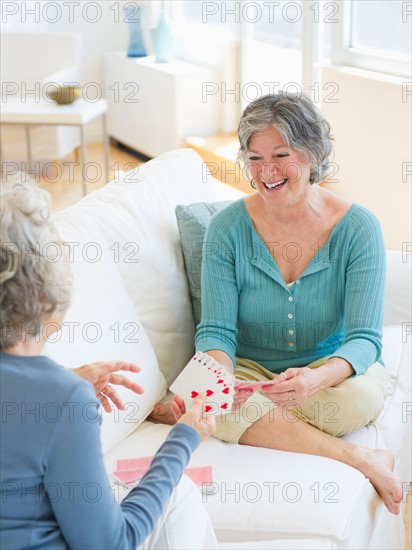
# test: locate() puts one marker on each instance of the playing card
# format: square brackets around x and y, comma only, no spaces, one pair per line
[133,473]
[124,464]
[250,384]
[204,375]
[200,475]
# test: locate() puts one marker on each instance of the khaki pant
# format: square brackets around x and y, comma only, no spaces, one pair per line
[337,410]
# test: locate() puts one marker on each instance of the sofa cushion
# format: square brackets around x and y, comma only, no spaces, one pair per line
[263,495]
[102,324]
[192,220]
[136,216]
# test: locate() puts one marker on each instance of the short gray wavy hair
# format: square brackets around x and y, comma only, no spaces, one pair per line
[32,286]
[299,122]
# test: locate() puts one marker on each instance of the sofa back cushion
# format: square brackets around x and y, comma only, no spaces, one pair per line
[136,216]
[101,324]
[192,221]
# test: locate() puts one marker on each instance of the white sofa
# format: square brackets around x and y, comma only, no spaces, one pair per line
[54,57]
[131,293]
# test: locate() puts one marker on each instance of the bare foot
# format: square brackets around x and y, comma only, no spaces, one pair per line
[162,414]
[378,466]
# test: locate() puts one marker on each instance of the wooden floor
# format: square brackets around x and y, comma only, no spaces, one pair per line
[66,189]
[64,182]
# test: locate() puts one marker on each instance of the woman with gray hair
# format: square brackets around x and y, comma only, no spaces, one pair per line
[292,299]
[54,489]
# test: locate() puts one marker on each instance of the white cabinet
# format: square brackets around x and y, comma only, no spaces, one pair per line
[154,106]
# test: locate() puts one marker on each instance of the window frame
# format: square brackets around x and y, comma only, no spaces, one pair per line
[343,54]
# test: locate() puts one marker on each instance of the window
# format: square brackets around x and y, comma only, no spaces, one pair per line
[381,27]
[374,35]
[279,23]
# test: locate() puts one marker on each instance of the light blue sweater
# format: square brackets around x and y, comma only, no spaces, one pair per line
[334,308]
[55,492]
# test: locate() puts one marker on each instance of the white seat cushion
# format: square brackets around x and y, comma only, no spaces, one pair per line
[260,494]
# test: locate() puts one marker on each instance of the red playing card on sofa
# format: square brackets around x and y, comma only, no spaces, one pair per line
[200,475]
[130,470]
[133,463]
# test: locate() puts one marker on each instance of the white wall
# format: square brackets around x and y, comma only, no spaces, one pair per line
[371,121]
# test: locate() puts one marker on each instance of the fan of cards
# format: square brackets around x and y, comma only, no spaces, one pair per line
[204,375]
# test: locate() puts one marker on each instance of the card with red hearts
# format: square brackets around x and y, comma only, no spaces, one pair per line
[204,375]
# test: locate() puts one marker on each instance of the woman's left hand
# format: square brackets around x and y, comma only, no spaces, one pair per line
[103,373]
[295,385]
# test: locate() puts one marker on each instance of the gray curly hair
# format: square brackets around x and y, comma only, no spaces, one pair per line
[32,285]
[299,122]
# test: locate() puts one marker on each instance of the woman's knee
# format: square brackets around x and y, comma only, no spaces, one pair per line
[230,427]
[352,404]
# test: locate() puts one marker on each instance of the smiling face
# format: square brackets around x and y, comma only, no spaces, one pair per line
[281,174]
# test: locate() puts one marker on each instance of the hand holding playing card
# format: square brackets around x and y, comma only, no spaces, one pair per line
[204,424]
[204,375]
[245,389]
[241,396]
[178,407]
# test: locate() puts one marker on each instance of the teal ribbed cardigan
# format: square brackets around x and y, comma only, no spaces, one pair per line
[334,308]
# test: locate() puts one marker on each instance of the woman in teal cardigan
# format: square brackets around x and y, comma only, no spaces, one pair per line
[292,293]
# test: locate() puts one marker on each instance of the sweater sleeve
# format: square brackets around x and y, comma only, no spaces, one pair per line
[364,294]
[85,507]
[218,327]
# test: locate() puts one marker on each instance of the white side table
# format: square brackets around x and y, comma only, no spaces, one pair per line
[79,113]
[153,106]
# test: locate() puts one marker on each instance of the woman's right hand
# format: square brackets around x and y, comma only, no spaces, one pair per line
[240,397]
[195,417]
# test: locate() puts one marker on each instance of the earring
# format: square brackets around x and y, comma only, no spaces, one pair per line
[312,177]
[252,184]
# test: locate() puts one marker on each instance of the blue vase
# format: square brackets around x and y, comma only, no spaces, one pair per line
[135,17]
[163,40]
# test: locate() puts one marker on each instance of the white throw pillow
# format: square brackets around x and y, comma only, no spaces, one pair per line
[137,218]
[102,324]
